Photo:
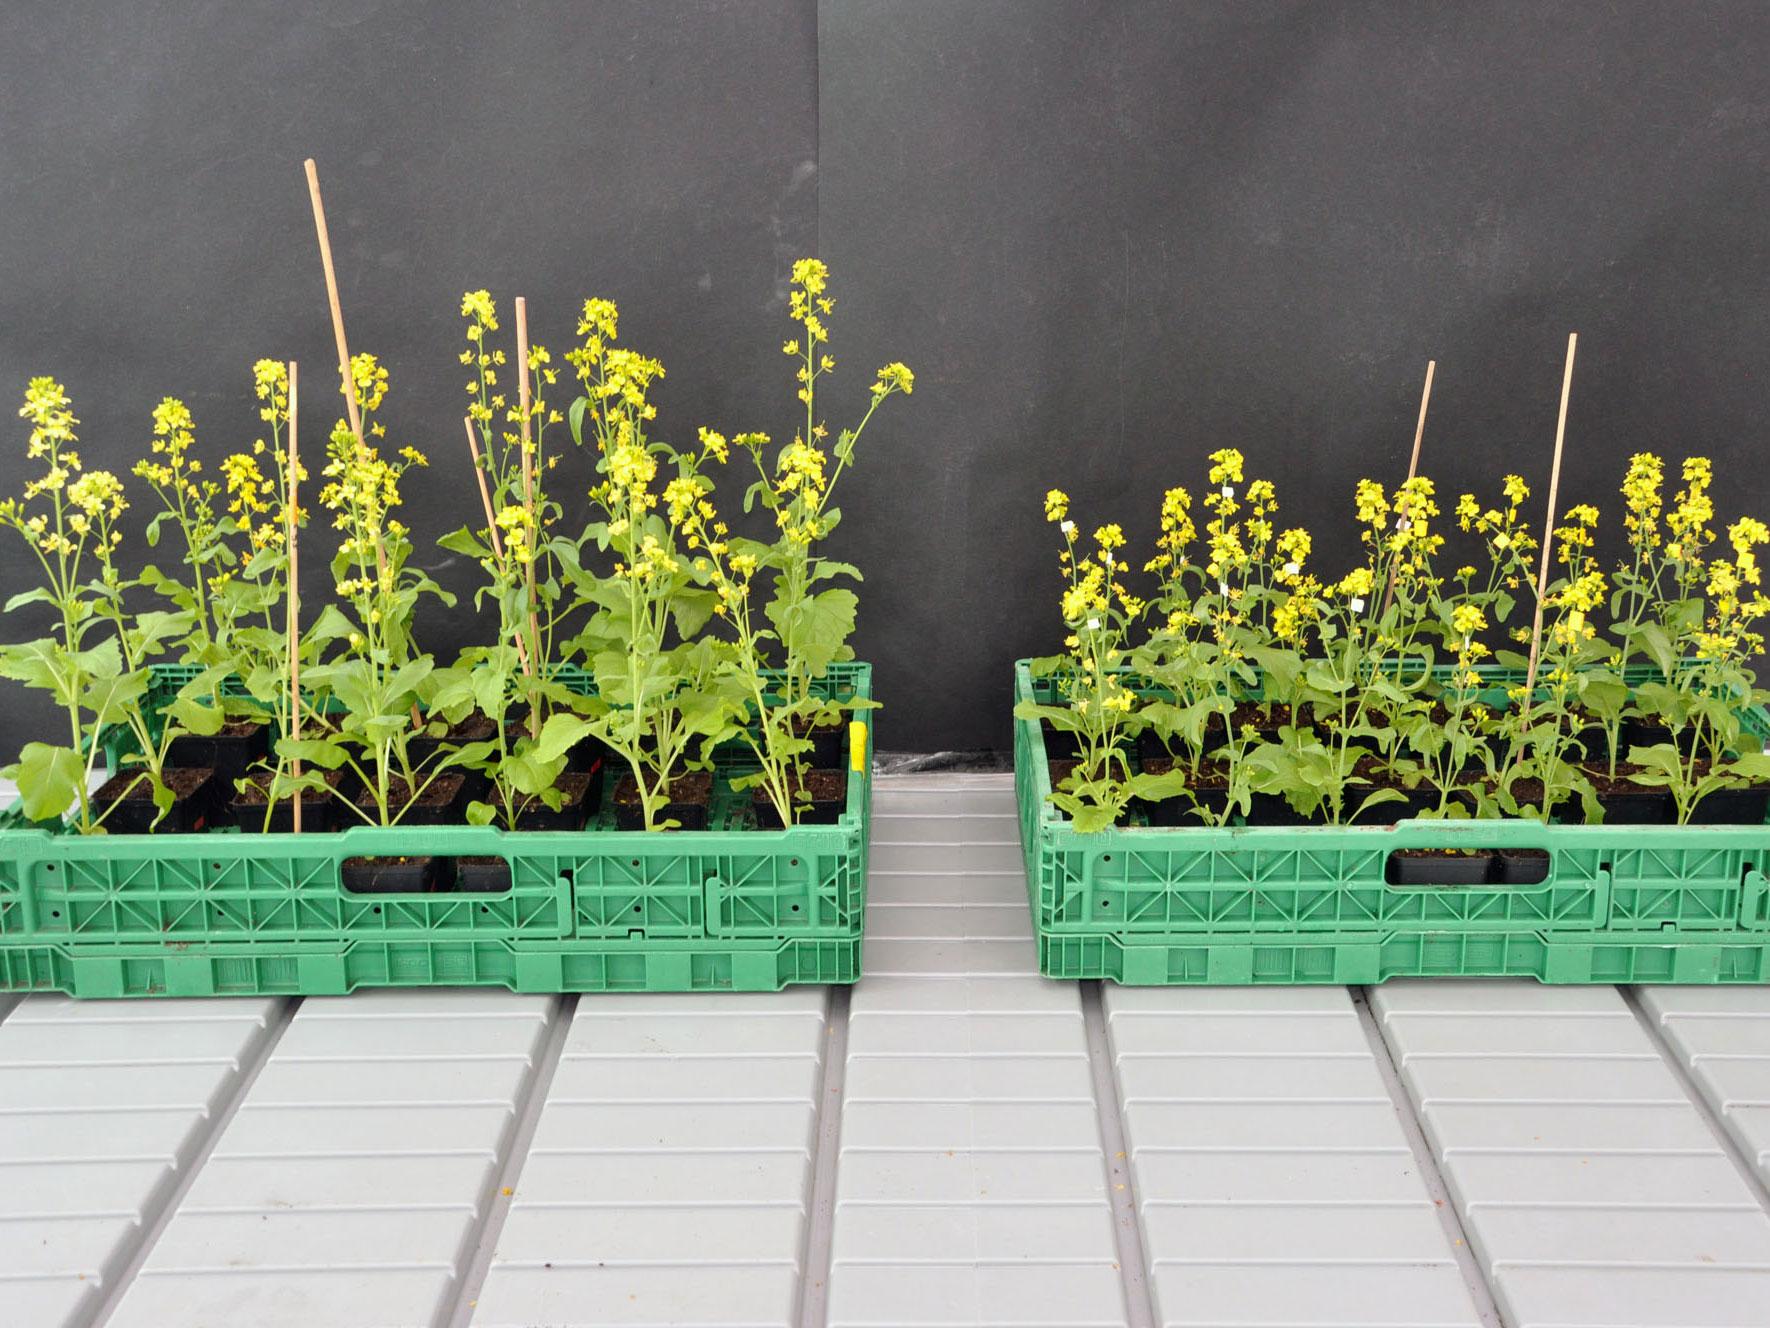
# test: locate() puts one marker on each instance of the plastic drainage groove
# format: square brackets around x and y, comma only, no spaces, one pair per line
[1724,1140]
[1120,1183]
[163,1208]
[820,1226]
[513,1153]
[1455,1235]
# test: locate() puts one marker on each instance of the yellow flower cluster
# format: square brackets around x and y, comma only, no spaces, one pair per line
[894,377]
[1687,524]
[270,384]
[369,378]
[250,497]
[1643,499]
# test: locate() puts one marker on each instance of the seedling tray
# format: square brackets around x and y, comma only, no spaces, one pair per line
[1265,904]
[729,908]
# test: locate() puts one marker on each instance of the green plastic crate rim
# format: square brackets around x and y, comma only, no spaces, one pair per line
[1270,904]
[590,910]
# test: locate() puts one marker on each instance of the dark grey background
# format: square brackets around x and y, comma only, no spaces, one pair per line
[1108,237]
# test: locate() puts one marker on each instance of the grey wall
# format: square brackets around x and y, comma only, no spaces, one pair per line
[1108,237]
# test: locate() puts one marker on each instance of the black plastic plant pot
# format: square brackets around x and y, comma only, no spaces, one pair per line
[230,752]
[1060,745]
[1594,744]
[582,796]
[1647,806]
[1521,866]
[389,876]
[438,804]
[690,797]
[1150,746]
[829,796]
[477,727]
[126,802]
[1733,806]
[1645,733]
[1205,806]
[1272,809]
[1431,866]
[827,742]
[245,812]
[481,876]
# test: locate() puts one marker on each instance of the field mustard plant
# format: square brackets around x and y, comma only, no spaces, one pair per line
[91,661]
[520,548]
[1369,687]
[809,618]
[644,642]
[371,672]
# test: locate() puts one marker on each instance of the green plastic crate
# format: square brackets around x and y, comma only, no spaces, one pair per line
[726,908]
[1266,904]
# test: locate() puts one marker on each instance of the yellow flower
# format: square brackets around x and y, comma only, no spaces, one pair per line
[715,445]
[1056,505]
[478,306]
[98,492]
[1468,619]
[369,379]
[894,377]
[1643,499]
[1226,466]
[1372,503]
[1356,583]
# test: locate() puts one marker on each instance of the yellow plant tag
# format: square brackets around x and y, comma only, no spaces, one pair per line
[857,746]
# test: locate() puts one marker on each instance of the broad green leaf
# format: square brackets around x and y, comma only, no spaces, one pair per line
[49,779]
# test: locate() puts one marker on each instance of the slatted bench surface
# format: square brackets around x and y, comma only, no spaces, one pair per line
[953,1141]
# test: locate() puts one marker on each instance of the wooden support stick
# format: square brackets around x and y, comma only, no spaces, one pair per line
[528,496]
[1542,575]
[1413,467]
[294,603]
[319,224]
[346,382]
[485,498]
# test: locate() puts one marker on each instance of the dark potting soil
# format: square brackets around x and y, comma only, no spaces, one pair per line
[695,786]
[575,787]
[689,796]
[130,785]
[126,801]
[828,790]
[434,805]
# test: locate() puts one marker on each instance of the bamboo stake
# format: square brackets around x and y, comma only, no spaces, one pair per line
[528,498]
[319,224]
[294,605]
[485,498]
[1542,575]
[346,383]
[1413,468]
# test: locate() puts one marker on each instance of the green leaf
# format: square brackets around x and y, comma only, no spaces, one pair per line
[194,717]
[40,595]
[465,542]
[1658,646]
[49,779]
[559,735]
[574,417]
[815,631]
[481,813]
[315,751]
